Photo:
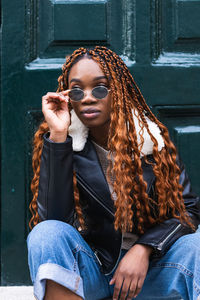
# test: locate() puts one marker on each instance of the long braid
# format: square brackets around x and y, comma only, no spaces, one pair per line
[117,146]
[77,204]
[125,152]
[122,217]
[37,152]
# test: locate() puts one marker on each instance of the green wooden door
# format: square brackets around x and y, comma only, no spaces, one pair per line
[159,41]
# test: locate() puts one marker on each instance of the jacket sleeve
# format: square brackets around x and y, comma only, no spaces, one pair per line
[162,236]
[55,195]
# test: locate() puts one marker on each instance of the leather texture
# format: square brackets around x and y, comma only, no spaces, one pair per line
[55,201]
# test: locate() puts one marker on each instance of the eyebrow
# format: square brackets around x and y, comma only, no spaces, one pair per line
[95,79]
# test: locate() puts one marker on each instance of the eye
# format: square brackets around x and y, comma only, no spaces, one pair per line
[102,84]
[75,87]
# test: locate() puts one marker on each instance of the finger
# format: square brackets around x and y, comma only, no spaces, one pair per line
[132,290]
[64,106]
[65,93]
[117,288]
[47,101]
[125,289]
[64,96]
[54,105]
[112,281]
[50,97]
[46,104]
[138,287]
[50,103]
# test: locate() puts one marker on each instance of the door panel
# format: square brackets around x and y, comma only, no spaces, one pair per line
[156,39]
[183,123]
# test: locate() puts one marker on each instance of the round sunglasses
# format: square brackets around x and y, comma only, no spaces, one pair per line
[99,92]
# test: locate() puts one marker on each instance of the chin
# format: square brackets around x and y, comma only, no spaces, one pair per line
[99,125]
[92,124]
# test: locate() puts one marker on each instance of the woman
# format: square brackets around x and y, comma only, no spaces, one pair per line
[117,202]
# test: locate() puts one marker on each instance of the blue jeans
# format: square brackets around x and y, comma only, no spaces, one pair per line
[58,252]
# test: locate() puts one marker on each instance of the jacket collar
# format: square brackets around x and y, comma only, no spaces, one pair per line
[86,162]
[79,133]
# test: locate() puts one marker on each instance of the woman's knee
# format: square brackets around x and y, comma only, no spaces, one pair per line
[185,250]
[48,234]
[189,242]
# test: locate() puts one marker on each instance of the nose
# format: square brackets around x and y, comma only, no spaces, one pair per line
[88,97]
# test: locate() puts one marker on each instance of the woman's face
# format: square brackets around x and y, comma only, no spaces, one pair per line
[86,74]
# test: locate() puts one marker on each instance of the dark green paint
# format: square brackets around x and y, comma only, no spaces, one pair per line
[85,22]
[189,29]
[183,123]
[160,46]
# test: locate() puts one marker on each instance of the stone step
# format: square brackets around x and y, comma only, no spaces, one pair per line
[16,293]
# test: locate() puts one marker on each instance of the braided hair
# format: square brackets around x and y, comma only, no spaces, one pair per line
[134,208]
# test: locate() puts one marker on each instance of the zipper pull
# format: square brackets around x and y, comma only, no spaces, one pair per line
[95,253]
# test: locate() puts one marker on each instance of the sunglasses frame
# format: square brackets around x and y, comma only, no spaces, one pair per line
[84,93]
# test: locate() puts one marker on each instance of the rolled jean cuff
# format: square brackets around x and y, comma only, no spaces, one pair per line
[60,275]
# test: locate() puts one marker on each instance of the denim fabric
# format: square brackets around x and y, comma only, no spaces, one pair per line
[58,252]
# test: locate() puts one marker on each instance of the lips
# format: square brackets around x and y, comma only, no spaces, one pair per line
[90,113]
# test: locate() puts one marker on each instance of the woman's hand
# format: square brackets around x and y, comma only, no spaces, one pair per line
[131,272]
[56,113]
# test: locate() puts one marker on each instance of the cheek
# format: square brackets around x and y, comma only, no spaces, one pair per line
[75,107]
[109,106]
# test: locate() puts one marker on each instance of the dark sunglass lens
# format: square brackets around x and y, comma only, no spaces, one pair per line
[76,94]
[100,92]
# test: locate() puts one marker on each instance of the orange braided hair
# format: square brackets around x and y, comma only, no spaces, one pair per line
[134,208]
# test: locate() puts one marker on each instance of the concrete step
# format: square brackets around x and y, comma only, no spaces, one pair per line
[16,293]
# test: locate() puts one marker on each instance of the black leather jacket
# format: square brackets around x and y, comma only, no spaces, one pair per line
[55,201]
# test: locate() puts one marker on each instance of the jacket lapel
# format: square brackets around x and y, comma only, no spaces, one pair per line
[88,168]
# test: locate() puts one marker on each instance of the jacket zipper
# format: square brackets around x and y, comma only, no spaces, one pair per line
[95,253]
[164,241]
[93,196]
[117,259]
